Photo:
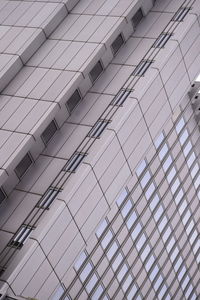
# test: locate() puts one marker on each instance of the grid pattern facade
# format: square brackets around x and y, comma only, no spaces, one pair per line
[110,207]
[150,247]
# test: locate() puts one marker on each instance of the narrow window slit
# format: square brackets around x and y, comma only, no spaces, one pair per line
[74,162]
[21,236]
[142,67]
[49,132]
[48,198]
[98,128]
[121,97]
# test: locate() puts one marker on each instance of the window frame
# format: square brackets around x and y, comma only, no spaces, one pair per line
[20,176]
[74,162]
[138,15]
[114,51]
[46,141]
[21,236]
[142,67]
[93,80]
[70,98]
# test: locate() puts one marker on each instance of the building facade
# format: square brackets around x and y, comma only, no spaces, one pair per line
[100,180]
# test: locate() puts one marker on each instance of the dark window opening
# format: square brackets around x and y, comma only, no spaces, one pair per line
[96,71]
[137,18]
[73,101]
[49,132]
[24,165]
[116,45]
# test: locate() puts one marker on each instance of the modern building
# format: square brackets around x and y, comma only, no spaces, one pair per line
[99,149]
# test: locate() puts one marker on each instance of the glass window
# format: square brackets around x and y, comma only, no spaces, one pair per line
[196,247]
[163,151]
[159,140]
[132,292]
[137,18]
[23,166]
[198,258]
[197,182]
[168,297]
[194,170]
[171,175]
[80,261]
[184,137]
[158,213]
[101,228]
[141,242]
[162,224]
[180,14]
[194,297]
[193,237]
[96,71]
[48,198]
[191,159]
[145,179]
[117,261]
[74,162]
[98,128]
[86,271]
[105,298]
[167,163]
[49,132]
[127,283]
[162,292]
[153,273]
[170,244]
[97,293]
[91,283]
[141,168]
[21,236]
[142,67]
[149,262]
[187,148]
[180,125]
[158,282]
[181,273]
[186,217]
[190,227]
[178,264]
[182,207]
[174,254]
[167,234]
[73,101]
[125,210]
[150,191]
[106,240]
[112,250]
[175,186]
[116,45]
[179,196]
[58,293]
[122,197]
[162,40]
[154,202]
[145,253]
[131,220]
[122,272]
[189,291]
[136,231]
[185,282]
[121,97]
